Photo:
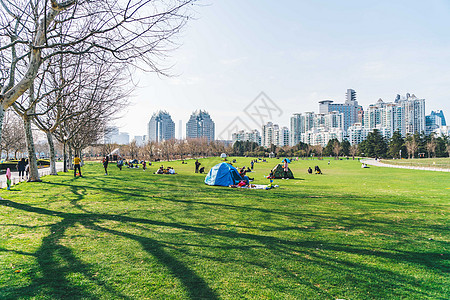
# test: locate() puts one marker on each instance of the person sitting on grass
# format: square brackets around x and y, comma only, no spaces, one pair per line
[160,170]
[202,170]
[242,171]
[317,169]
[309,170]
[271,175]
[246,179]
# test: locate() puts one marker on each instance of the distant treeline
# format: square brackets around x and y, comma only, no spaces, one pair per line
[375,145]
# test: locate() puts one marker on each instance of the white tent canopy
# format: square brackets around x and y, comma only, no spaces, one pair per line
[115,152]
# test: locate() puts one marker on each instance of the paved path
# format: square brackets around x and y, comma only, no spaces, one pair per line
[377,163]
[16,179]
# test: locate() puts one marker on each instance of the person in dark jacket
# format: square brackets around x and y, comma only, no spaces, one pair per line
[21,168]
[197,165]
[105,164]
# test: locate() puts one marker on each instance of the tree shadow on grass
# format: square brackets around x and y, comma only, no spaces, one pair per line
[54,280]
[320,220]
[56,261]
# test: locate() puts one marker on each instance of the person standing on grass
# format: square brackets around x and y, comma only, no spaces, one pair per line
[105,164]
[286,168]
[27,169]
[120,163]
[21,168]
[76,166]
[197,165]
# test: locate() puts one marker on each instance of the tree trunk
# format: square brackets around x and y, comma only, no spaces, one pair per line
[65,157]
[34,173]
[2,117]
[51,147]
[70,159]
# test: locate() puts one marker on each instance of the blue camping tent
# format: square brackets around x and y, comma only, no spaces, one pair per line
[223,174]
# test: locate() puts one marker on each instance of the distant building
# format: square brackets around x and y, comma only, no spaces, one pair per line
[351,110]
[268,134]
[356,134]
[316,129]
[139,139]
[434,121]
[405,114]
[297,128]
[442,131]
[282,137]
[250,136]
[161,127]
[114,136]
[413,114]
[272,134]
[200,125]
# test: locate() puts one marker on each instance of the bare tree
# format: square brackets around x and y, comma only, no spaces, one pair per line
[353,150]
[431,146]
[411,146]
[13,135]
[25,108]
[167,148]
[149,150]
[318,149]
[182,148]
[107,148]
[133,150]
[336,149]
[34,31]
[79,87]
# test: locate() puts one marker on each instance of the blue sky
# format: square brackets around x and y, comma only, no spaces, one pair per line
[298,53]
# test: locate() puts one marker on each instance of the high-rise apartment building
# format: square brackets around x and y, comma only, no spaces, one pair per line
[268,134]
[247,136]
[434,121]
[161,127]
[296,128]
[356,133]
[413,114]
[405,114]
[272,134]
[200,125]
[282,137]
[351,110]
[316,129]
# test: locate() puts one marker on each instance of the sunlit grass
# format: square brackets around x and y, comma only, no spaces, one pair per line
[351,233]
[440,162]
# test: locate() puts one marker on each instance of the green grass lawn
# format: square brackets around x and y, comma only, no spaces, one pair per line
[441,162]
[351,233]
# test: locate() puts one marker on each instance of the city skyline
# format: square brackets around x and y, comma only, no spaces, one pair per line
[324,107]
[299,53]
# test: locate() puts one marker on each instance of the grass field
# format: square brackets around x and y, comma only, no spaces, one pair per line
[440,163]
[351,233]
